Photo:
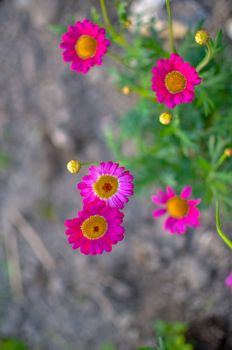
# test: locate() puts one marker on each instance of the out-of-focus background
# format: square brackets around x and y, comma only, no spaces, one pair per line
[55,298]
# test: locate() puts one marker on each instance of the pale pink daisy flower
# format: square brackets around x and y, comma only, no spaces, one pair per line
[228,281]
[173,80]
[95,229]
[84,45]
[108,182]
[181,210]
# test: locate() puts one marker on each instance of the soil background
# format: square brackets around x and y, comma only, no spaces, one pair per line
[56,298]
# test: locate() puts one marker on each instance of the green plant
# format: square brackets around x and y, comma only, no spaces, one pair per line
[107,346]
[172,335]
[12,344]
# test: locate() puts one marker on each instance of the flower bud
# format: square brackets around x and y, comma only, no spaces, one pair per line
[201,37]
[228,152]
[126,90]
[74,166]
[165,118]
[128,23]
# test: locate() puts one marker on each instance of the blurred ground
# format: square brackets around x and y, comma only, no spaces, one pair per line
[49,115]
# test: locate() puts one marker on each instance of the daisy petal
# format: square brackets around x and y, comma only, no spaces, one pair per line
[159,212]
[186,192]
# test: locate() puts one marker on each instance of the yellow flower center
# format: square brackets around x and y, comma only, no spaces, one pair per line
[175,82]
[106,186]
[177,207]
[94,227]
[86,47]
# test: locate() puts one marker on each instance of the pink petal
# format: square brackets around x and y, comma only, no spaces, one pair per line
[170,102]
[186,192]
[169,224]
[192,217]
[160,198]
[159,212]
[228,280]
[177,60]
[194,202]
[180,226]
[85,246]
[178,98]
[170,192]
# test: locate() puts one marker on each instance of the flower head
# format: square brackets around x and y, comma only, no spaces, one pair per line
[228,281]
[84,45]
[181,210]
[108,182]
[95,229]
[173,80]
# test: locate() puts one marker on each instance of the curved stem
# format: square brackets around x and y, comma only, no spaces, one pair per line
[206,59]
[170,27]
[223,236]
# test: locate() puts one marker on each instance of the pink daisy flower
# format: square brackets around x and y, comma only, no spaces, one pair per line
[96,228]
[173,81]
[84,45]
[108,182]
[228,281]
[182,212]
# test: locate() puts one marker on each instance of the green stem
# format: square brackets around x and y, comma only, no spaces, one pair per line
[170,27]
[118,38]
[88,163]
[118,59]
[223,236]
[105,14]
[206,59]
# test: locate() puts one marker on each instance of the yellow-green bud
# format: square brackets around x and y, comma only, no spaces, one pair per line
[128,23]
[126,90]
[228,152]
[73,166]
[201,37]
[165,118]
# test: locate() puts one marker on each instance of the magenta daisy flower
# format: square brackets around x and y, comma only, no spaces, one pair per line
[84,45]
[182,212]
[108,182]
[173,80]
[96,228]
[228,281]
